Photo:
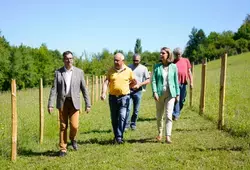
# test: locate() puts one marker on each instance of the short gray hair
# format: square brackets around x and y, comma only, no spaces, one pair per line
[119,55]
[177,51]
[136,55]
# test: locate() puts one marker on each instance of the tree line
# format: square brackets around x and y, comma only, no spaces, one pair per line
[215,44]
[27,65]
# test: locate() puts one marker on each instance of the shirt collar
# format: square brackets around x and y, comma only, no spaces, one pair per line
[71,69]
[120,70]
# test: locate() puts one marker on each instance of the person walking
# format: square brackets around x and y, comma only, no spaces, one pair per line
[184,75]
[68,83]
[165,91]
[143,78]
[119,79]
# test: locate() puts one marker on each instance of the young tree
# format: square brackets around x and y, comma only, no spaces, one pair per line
[138,47]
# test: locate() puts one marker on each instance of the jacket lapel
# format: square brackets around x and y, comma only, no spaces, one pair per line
[63,72]
[72,77]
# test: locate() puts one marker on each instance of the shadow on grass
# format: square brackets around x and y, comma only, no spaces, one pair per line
[97,131]
[231,131]
[233,148]
[146,119]
[111,141]
[146,140]
[29,152]
[192,130]
[95,141]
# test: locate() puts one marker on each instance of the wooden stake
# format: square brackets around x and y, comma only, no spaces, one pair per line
[92,91]
[96,89]
[100,85]
[222,91]
[14,121]
[203,86]
[41,110]
[87,82]
[190,89]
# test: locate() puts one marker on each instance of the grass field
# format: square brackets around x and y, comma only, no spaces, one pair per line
[197,144]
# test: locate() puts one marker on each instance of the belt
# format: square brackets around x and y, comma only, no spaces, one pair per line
[139,89]
[118,96]
[68,98]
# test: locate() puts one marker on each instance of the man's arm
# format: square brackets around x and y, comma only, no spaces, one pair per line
[85,93]
[147,78]
[104,89]
[52,95]
[138,85]
[190,76]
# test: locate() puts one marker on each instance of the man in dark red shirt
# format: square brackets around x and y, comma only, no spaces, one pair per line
[184,75]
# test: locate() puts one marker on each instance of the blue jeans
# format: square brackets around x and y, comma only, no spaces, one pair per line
[135,98]
[179,105]
[118,108]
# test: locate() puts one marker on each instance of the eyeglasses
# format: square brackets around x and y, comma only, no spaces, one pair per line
[163,53]
[68,59]
[136,60]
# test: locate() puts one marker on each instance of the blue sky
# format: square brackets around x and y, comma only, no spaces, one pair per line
[94,25]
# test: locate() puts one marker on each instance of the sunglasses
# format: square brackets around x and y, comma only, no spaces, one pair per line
[135,60]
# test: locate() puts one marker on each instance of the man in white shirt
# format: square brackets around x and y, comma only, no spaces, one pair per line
[68,83]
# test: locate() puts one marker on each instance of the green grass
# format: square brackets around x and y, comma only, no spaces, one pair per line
[237,99]
[197,144]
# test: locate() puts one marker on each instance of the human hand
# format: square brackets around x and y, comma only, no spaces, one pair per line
[191,85]
[135,87]
[103,96]
[156,97]
[177,98]
[50,110]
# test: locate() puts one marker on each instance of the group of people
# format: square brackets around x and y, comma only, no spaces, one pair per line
[125,83]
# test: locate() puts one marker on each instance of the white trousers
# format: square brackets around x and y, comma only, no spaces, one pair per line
[166,102]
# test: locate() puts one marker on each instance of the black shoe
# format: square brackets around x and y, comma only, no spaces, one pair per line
[133,127]
[62,154]
[174,118]
[74,145]
[118,141]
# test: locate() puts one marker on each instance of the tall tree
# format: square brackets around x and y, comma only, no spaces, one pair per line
[138,47]
[196,38]
[247,19]
[4,63]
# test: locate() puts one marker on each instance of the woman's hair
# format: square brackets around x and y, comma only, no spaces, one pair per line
[170,58]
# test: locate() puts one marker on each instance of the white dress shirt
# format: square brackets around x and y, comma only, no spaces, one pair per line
[68,76]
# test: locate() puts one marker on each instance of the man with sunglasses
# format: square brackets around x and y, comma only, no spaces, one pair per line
[143,78]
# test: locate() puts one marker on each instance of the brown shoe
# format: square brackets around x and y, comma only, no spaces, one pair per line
[158,138]
[168,139]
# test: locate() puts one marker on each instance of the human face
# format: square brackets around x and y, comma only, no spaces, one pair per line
[177,56]
[68,61]
[136,60]
[118,62]
[164,56]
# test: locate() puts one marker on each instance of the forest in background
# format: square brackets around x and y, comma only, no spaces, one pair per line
[27,65]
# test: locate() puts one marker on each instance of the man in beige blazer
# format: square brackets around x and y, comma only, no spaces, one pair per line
[68,83]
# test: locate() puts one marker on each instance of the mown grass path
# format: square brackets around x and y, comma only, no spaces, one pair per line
[197,144]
